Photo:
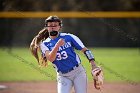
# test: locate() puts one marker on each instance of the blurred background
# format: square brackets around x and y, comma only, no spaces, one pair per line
[94,31]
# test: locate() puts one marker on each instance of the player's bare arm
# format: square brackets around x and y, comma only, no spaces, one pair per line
[92,62]
[96,71]
[51,55]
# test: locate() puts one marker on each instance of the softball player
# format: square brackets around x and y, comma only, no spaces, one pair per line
[58,48]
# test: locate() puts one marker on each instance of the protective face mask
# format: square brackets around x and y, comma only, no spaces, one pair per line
[53,33]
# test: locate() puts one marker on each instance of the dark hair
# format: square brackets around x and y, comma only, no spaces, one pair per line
[53,19]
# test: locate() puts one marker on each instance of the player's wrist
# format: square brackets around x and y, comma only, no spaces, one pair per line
[93,65]
[89,55]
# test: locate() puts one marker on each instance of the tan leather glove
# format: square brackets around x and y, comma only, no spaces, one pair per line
[97,73]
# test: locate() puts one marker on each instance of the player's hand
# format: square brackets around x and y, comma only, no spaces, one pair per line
[97,73]
[61,42]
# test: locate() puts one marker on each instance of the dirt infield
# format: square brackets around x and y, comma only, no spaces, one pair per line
[50,87]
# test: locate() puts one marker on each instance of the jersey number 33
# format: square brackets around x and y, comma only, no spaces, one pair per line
[61,55]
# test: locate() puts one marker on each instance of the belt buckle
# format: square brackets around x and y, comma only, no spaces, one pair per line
[70,69]
[76,66]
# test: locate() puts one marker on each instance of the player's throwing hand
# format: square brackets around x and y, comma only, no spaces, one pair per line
[60,42]
[97,74]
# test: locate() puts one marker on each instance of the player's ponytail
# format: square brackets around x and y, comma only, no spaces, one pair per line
[34,46]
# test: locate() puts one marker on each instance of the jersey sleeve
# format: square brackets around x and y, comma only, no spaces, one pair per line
[43,48]
[76,42]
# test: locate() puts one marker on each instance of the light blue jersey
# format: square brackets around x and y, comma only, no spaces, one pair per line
[66,57]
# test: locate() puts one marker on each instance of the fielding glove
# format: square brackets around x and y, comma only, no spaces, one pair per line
[97,73]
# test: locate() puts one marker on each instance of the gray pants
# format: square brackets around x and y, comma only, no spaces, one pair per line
[76,78]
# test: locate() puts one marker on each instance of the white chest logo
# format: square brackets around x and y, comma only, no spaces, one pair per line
[67,45]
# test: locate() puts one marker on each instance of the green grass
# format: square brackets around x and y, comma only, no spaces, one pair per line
[119,65]
[20,65]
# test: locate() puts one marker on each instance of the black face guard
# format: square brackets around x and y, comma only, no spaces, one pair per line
[53,33]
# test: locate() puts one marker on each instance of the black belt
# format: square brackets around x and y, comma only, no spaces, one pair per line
[64,72]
